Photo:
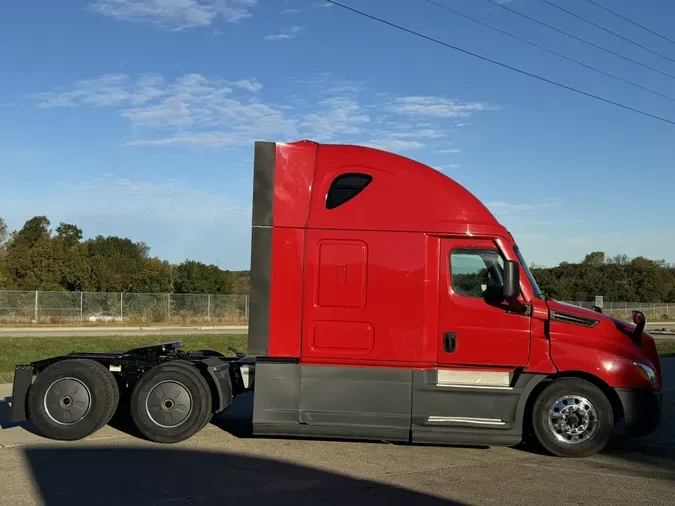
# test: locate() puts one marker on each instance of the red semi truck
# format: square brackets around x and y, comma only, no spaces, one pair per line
[387,303]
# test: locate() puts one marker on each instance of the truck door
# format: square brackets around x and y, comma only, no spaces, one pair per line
[475,326]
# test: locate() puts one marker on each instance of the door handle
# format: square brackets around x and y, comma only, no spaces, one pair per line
[449,342]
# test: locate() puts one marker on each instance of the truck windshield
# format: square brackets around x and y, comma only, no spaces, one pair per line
[530,277]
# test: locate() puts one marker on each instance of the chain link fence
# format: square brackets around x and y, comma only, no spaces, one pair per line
[188,308]
[652,310]
[141,308]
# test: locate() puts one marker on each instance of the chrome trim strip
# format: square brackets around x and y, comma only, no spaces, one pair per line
[457,419]
[480,387]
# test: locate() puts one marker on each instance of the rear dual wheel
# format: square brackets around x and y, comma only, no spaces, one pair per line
[72,399]
[171,402]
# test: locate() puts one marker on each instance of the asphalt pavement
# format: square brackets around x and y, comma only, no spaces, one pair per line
[223,464]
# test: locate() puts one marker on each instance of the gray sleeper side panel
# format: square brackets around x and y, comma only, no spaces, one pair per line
[356,396]
[324,401]
[276,395]
[261,248]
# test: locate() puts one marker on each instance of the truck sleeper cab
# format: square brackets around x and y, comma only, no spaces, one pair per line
[386,303]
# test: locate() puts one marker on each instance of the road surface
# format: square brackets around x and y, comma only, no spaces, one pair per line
[224,465]
[119,331]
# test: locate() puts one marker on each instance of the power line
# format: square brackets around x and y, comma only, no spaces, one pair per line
[607,30]
[631,21]
[580,39]
[495,62]
[626,81]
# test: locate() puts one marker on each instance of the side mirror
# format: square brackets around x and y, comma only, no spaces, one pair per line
[640,322]
[511,279]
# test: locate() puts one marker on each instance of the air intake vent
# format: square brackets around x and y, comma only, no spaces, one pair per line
[559,316]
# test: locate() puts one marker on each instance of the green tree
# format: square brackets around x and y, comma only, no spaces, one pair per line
[196,277]
[32,260]
[70,235]
[116,263]
[3,232]
[32,231]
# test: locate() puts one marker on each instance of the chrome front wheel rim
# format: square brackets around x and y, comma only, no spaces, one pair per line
[573,419]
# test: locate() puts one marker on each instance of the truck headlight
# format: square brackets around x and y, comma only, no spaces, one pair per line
[646,372]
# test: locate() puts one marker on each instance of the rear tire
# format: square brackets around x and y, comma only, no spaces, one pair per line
[72,399]
[171,402]
[115,391]
[572,418]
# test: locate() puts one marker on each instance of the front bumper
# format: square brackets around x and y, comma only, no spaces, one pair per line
[641,410]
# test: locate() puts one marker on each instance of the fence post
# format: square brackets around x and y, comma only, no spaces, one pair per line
[208,308]
[246,306]
[36,307]
[121,305]
[81,306]
[168,307]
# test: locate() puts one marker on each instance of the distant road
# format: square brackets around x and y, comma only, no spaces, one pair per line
[119,331]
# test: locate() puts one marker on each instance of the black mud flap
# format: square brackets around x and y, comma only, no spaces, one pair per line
[219,371]
[23,378]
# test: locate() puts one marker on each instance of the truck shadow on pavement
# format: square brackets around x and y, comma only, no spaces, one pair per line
[122,475]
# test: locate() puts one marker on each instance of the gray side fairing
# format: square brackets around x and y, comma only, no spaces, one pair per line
[259,302]
[292,399]
[261,247]
[465,414]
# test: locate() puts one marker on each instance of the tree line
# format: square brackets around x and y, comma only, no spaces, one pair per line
[39,258]
[617,279]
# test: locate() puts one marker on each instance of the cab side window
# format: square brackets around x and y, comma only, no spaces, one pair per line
[476,273]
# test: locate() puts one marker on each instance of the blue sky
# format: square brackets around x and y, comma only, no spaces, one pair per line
[137,117]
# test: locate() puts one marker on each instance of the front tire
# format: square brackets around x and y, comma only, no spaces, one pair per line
[572,418]
[171,403]
[72,399]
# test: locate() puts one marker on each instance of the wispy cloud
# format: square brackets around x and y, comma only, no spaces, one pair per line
[175,14]
[448,151]
[211,112]
[556,222]
[393,145]
[247,84]
[424,134]
[436,107]
[286,33]
[509,207]
[105,91]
